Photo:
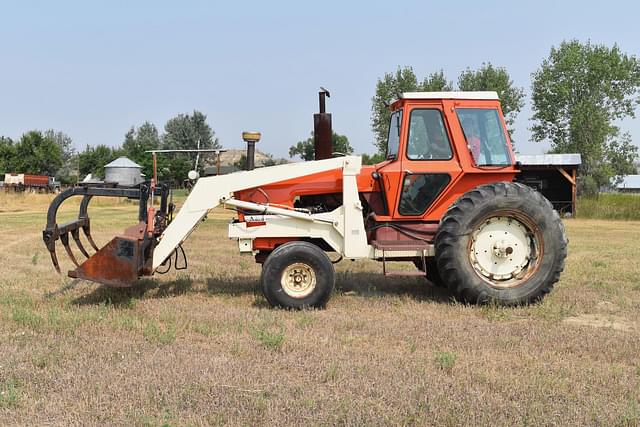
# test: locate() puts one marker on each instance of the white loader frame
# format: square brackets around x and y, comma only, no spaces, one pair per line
[342,229]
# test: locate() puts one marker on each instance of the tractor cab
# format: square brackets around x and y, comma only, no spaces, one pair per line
[440,145]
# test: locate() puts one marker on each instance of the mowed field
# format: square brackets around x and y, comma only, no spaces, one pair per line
[202,347]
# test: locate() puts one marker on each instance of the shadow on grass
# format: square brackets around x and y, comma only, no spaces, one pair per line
[376,285]
[368,285]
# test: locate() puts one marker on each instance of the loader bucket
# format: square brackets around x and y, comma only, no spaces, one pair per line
[126,257]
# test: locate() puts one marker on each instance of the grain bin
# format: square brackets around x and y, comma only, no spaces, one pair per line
[123,172]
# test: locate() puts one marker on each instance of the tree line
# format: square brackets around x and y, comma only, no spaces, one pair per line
[579,94]
[52,153]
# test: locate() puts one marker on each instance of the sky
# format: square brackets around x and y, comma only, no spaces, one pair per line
[93,69]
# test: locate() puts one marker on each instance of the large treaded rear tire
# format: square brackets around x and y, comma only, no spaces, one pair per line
[297,275]
[504,203]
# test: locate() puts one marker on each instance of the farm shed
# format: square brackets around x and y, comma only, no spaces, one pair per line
[629,184]
[554,175]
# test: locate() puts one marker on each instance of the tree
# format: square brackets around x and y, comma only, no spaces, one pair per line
[389,88]
[436,82]
[272,161]
[372,159]
[7,156]
[578,93]
[306,149]
[187,132]
[68,151]
[136,144]
[37,154]
[488,77]
[93,159]
[241,163]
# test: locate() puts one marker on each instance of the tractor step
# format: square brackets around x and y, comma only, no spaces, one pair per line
[400,245]
[407,273]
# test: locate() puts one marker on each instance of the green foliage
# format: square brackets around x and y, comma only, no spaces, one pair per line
[579,92]
[241,163]
[306,150]
[7,156]
[269,337]
[26,317]
[445,360]
[69,164]
[40,153]
[156,334]
[93,159]
[392,85]
[488,77]
[136,144]
[10,393]
[37,154]
[436,82]
[272,161]
[372,159]
[389,88]
[612,206]
[187,132]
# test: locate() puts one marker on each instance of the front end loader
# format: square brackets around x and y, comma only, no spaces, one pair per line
[443,199]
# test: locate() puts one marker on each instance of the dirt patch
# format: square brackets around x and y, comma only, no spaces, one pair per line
[601,321]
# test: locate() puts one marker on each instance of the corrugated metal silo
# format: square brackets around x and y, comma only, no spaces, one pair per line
[123,171]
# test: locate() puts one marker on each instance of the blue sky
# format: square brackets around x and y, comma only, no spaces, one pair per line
[93,69]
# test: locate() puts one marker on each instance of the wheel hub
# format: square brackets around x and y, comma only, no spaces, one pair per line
[501,250]
[298,280]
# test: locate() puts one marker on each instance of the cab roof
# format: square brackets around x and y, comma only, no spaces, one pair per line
[491,95]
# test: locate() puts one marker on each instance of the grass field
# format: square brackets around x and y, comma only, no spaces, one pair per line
[616,206]
[203,348]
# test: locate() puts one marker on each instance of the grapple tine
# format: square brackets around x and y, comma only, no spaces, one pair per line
[49,237]
[87,232]
[76,238]
[54,259]
[86,227]
[64,238]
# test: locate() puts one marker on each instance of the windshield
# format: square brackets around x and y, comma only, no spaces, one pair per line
[393,141]
[485,136]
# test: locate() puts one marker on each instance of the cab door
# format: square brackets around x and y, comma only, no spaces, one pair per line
[429,163]
[390,173]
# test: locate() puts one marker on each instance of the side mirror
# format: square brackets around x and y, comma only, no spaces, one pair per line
[193,175]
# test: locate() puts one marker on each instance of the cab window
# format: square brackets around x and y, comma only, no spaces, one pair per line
[485,136]
[393,141]
[428,138]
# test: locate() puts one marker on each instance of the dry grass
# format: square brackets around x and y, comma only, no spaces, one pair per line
[203,348]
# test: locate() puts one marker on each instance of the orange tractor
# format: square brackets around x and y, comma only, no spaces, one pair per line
[443,199]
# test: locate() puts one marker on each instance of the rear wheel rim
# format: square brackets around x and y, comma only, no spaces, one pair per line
[298,280]
[505,250]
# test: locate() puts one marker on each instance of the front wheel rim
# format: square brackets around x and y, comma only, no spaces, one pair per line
[505,250]
[298,280]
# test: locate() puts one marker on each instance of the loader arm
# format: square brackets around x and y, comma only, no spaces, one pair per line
[210,192]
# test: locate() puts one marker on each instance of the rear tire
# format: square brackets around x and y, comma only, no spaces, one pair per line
[501,242]
[297,275]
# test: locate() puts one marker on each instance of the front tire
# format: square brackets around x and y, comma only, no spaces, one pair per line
[501,242]
[297,275]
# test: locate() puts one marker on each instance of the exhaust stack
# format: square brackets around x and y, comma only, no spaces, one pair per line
[322,132]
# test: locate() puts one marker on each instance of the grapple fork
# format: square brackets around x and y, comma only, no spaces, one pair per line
[124,258]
